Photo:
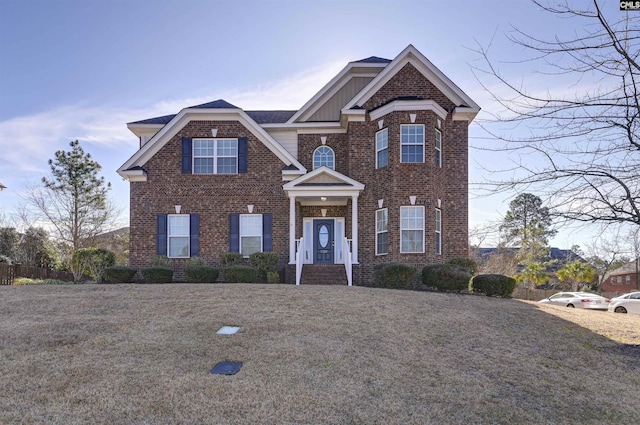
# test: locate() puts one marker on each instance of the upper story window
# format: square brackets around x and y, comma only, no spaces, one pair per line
[438,147]
[324,156]
[412,143]
[382,148]
[215,156]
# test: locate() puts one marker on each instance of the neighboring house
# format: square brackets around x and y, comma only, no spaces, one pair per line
[623,279]
[372,169]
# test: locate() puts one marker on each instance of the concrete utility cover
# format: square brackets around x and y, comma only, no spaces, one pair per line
[226,368]
[228,330]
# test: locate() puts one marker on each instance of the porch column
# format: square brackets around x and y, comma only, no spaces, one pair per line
[354,228]
[292,229]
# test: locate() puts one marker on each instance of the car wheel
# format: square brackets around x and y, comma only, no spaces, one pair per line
[571,306]
[620,309]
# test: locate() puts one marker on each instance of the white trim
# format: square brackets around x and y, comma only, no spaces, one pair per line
[134,175]
[353,185]
[333,159]
[437,144]
[408,105]
[308,259]
[411,55]
[260,234]
[215,156]
[438,247]
[187,115]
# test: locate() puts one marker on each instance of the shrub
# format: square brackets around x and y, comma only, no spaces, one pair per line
[241,274]
[273,277]
[393,275]
[119,274]
[157,275]
[264,262]
[160,261]
[493,285]
[201,274]
[467,264]
[5,260]
[445,277]
[228,259]
[92,262]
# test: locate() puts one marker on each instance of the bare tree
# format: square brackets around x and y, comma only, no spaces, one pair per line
[577,146]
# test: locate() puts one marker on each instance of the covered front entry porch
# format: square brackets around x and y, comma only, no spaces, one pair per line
[323,220]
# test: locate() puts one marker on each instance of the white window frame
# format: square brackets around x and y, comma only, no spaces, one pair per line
[438,148]
[421,229]
[384,132]
[215,156]
[421,143]
[333,157]
[241,235]
[384,211]
[627,279]
[438,231]
[178,235]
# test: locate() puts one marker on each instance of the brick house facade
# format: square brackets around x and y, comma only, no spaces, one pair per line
[372,169]
[624,279]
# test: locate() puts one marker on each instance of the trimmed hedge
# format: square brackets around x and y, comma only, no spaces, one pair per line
[157,275]
[273,277]
[264,263]
[228,259]
[201,274]
[493,285]
[445,277]
[465,263]
[393,275]
[241,274]
[28,281]
[119,274]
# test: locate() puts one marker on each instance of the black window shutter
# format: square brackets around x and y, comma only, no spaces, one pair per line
[266,232]
[161,235]
[234,232]
[186,155]
[194,235]
[243,151]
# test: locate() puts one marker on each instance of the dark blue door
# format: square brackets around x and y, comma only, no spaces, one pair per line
[323,241]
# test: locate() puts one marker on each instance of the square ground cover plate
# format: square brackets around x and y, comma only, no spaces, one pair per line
[226,368]
[228,330]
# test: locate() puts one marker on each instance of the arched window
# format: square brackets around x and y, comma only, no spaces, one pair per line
[323,156]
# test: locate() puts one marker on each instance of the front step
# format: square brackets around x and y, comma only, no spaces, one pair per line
[323,274]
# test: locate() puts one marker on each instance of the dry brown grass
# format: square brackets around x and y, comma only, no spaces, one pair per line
[126,354]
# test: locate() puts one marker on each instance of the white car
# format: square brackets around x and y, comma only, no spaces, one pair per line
[628,303]
[578,300]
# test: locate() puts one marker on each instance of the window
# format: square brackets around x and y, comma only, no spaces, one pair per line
[438,231]
[215,156]
[619,280]
[628,279]
[412,143]
[178,236]
[382,148]
[382,233]
[438,146]
[250,234]
[323,156]
[412,229]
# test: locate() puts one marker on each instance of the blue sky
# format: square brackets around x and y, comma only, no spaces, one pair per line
[82,69]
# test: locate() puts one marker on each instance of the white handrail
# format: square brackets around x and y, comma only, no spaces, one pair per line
[299,259]
[348,267]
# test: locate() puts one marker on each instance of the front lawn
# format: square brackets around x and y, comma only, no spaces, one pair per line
[121,354]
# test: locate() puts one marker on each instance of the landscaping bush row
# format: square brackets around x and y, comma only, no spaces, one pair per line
[456,275]
[262,268]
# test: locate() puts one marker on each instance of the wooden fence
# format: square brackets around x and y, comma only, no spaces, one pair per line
[10,272]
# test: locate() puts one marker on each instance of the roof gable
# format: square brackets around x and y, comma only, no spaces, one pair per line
[411,55]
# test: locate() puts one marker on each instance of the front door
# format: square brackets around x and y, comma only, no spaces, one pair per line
[323,238]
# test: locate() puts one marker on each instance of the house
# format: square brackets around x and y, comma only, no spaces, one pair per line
[372,169]
[623,279]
